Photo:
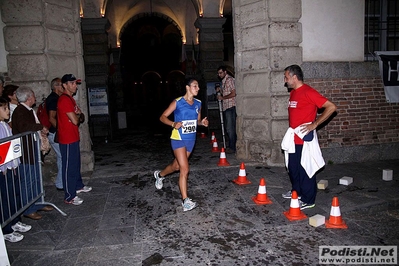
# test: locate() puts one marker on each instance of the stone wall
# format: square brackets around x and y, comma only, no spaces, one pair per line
[43,39]
[365,127]
[267,37]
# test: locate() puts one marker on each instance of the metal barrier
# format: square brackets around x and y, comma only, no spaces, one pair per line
[22,185]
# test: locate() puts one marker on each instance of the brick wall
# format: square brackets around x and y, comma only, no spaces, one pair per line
[363,115]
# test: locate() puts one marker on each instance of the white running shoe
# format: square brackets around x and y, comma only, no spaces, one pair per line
[188,204]
[13,237]
[20,227]
[75,201]
[288,195]
[84,189]
[158,179]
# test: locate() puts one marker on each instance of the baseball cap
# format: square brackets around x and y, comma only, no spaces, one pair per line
[70,77]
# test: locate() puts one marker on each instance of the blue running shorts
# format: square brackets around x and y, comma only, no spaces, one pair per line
[189,144]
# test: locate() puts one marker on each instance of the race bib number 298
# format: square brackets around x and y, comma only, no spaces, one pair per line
[189,126]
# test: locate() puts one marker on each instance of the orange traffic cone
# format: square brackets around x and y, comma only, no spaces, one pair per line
[215,147]
[213,137]
[294,213]
[262,197]
[242,176]
[203,135]
[223,161]
[335,220]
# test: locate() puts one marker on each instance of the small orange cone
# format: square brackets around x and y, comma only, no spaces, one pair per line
[213,137]
[223,161]
[261,197]
[335,220]
[294,213]
[203,135]
[242,176]
[215,147]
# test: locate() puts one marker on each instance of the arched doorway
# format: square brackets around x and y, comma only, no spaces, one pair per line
[150,50]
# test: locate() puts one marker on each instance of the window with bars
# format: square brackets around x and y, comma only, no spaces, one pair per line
[381,27]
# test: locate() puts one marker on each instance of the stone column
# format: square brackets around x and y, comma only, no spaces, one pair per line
[43,40]
[267,36]
[95,43]
[210,46]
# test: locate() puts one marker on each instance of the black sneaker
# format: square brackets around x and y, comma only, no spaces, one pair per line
[303,205]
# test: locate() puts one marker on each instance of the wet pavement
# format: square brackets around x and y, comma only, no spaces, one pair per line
[125,220]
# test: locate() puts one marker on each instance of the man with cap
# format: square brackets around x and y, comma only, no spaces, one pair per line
[69,117]
[51,106]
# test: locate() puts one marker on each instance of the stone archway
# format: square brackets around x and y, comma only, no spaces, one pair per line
[150,43]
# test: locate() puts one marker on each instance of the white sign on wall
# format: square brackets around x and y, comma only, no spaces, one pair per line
[98,101]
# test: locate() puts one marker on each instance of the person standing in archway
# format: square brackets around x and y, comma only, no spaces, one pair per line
[69,117]
[228,97]
[51,106]
[187,116]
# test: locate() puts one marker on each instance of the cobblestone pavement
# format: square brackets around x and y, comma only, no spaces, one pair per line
[125,220]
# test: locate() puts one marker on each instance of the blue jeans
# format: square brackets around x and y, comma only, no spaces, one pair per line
[71,177]
[230,121]
[56,148]
[30,186]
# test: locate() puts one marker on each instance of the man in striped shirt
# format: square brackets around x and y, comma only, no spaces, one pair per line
[229,107]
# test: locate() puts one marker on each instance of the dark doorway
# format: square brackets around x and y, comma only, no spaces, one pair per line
[150,51]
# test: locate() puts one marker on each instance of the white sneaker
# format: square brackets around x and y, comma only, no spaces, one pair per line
[13,237]
[75,201]
[158,179]
[20,227]
[84,189]
[188,204]
[288,195]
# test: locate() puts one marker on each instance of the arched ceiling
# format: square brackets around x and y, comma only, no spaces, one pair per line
[182,12]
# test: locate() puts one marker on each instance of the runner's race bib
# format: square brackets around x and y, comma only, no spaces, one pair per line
[189,126]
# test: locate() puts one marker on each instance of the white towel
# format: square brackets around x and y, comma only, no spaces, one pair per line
[311,158]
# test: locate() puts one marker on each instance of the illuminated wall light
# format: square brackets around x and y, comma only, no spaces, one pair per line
[81,10]
[221,15]
[201,15]
[102,12]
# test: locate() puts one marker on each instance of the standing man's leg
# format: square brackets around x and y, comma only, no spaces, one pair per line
[70,169]
[29,189]
[294,163]
[79,181]
[64,160]
[305,186]
[56,148]
[308,187]
[230,115]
